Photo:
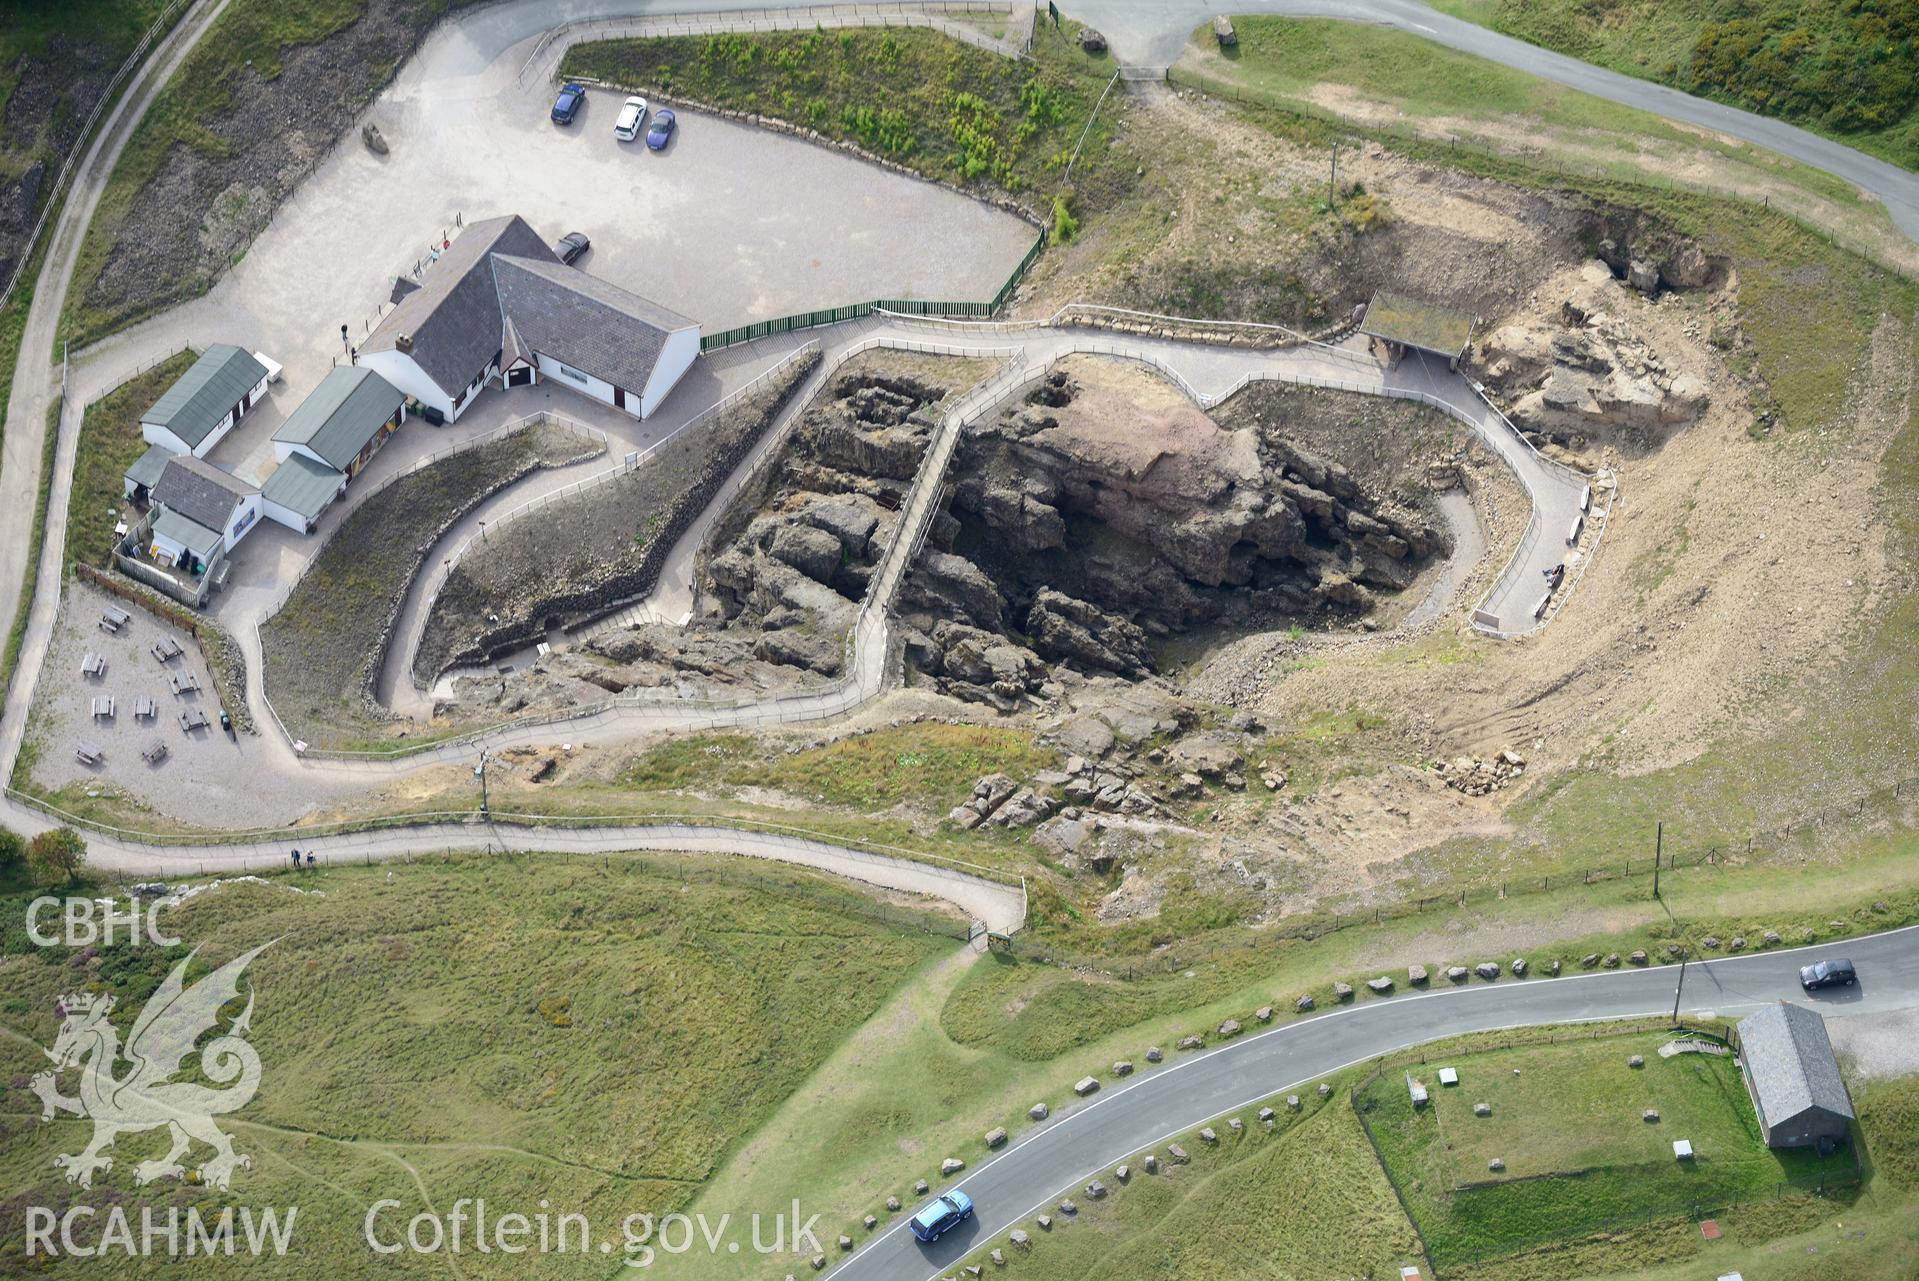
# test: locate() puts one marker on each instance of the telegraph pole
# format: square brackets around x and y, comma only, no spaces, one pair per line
[1658,852]
[1332,183]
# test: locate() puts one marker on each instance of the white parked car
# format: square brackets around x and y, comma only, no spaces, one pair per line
[632,120]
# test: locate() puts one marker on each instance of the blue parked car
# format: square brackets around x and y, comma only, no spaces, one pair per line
[662,131]
[942,1216]
[568,104]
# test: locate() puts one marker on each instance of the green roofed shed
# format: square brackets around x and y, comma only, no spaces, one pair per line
[344,413]
[302,487]
[202,401]
[1395,318]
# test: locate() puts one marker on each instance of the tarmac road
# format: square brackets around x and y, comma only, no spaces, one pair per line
[1058,1158]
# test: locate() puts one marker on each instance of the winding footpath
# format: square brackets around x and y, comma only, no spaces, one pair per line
[1083,1140]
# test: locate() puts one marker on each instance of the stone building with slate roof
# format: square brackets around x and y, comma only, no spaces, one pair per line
[500,307]
[1793,1077]
[205,402]
[200,514]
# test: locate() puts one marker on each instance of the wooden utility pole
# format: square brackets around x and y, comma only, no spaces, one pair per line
[1332,183]
[1658,852]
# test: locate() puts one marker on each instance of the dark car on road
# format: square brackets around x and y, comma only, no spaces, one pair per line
[1827,974]
[942,1216]
[568,104]
[661,131]
[571,246]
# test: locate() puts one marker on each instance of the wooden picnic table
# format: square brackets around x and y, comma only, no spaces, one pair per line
[115,615]
[144,709]
[192,720]
[88,753]
[103,707]
[93,665]
[155,753]
[184,684]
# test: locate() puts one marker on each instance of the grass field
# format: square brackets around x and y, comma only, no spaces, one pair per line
[599,1033]
[109,444]
[1405,87]
[1303,1200]
[320,650]
[1843,70]
[1579,1158]
[916,97]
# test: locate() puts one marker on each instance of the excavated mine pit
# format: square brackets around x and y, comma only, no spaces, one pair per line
[1104,513]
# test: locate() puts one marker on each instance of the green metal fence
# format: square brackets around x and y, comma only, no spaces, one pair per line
[857,310]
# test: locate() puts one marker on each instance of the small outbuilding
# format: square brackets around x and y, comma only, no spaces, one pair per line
[1406,324]
[206,401]
[201,512]
[1793,1077]
[344,422]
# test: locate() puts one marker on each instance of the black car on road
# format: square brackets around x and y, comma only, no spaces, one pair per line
[1838,973]
[571,246]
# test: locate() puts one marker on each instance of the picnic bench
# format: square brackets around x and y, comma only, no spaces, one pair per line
[108,625]
[115,618]
[184,683]
[144,709]
[103,707]
[155,753]
[192,720]
[88,753]
[93,665]
[166,649]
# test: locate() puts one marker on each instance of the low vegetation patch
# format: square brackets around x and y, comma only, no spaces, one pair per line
[595,1033]
[109,444]
[919,98]
[931,766]
[1305,1192]
[1850,71]
[325,645]
[1565,1150]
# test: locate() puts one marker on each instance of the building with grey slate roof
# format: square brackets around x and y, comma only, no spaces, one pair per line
[1793,1077]
[499,305]
[205,402]
[200,513]
[140,478]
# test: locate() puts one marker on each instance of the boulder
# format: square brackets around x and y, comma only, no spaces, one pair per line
[1176,1154]
[1122,1068]
[1737,943]
[1018,1237]
[1636,1061]
[1154,1054]
[1416,975]
[1304,1005]
[1380,985]
[1190,1042]
[1519,967]
[870,1222]
[1085,1086]
[1091,41]
[1045,1222]
[1637,958]
[998,1258]
[813,552]
[818,1262]
[950,1166]
[1039,1111]
[996,1137]
[1487,969]
[1208,755]
[1342,991]
[1643,276]
[1067,1207]
[1589,960]
[1292,1103]
[1151,1163]
[1025,808]
[1611,962]
[1209,1135]
[1266,1114]
[1236,1125]
[1482,1109]
[1123,1173]
[893,1204]
[1264,1014]
[1650,1115]
[1095,1190]
[1770,938]
[846,1242]
[1325,1090]
[1495,1165]
[1458,973]
[1229,1028]
[920,1188]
